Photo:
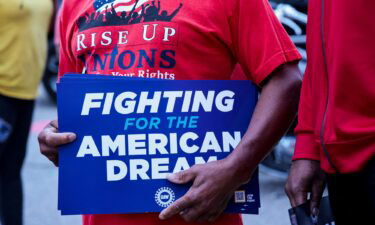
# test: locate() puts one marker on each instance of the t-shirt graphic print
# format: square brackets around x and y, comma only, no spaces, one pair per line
[128,38]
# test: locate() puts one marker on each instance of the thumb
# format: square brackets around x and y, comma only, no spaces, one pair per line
[182,177]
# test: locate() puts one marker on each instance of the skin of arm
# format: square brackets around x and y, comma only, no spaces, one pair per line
[214,182]
[276,109]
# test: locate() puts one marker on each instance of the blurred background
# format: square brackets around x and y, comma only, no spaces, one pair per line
[40,176]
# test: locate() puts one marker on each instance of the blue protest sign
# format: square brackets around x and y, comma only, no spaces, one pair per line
[132,132]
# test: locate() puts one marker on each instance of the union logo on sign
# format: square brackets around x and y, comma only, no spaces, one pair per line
[164,197]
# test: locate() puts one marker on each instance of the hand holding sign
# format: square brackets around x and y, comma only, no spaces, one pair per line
[49,139]
[208,196]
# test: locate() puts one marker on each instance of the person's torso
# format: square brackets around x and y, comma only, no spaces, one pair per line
[341,63]
[154,39]
[23,34]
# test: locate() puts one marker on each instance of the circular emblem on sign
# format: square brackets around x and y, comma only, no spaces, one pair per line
[164,197]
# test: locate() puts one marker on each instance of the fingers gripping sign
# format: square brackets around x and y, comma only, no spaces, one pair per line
[49,140]
[212,187]
[185,201]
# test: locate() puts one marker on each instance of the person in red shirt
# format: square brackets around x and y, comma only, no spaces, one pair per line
[336,118]
[186,40]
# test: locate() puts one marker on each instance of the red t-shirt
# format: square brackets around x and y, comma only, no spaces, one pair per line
[336,107]
[171,39]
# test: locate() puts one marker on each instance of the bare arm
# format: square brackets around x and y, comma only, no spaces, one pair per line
[275,111]
[210,193]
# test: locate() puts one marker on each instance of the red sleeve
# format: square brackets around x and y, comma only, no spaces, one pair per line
[66,62]
[306,146]
[260,43]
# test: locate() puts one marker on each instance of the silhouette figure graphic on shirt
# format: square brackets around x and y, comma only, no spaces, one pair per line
[111,17]
[136,18]
[165,17]
[152,12]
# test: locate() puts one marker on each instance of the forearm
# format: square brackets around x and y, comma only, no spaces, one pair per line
[275,111]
